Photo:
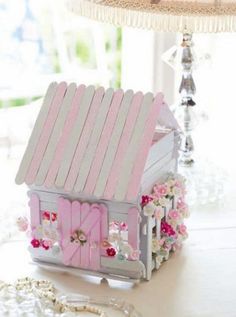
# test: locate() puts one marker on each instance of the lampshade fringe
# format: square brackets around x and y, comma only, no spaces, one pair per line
[153,21]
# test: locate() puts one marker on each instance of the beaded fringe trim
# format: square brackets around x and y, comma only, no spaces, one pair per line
[166,18]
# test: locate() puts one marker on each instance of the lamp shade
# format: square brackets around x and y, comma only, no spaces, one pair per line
[158,15]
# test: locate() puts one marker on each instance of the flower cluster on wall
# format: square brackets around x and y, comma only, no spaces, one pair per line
[167,205]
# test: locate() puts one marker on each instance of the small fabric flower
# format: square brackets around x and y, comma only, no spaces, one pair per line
[167,229]
[164,202]
[78,236]
[155,245]
[111,252]
[46,215]
[46,244]
[134,255]
[159,213]
[177,191]
[51,233]
[174,214]
[160,190]
[182,229]
[22,224]
[35,243]
[149,209]
[123,226]
[54,216]
[38,232]
[82,237]
[145,200]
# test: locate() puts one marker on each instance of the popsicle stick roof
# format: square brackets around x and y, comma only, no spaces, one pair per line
[92,141]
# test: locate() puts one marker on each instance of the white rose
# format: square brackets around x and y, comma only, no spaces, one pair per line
[155,245]
[149,209]
[164,202]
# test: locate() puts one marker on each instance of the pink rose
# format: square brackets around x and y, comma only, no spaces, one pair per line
[174,214]
[160,190]
[46,244]
[182,229]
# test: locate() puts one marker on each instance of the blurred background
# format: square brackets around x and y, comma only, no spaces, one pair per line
[42,42]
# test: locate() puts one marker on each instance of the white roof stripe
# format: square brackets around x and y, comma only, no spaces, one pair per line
[51,147]
[75,136]
[32,144]
[103,142]
[114,142]
[133,147]
[123,144]
[93,142]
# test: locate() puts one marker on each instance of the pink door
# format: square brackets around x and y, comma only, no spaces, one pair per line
[82,227]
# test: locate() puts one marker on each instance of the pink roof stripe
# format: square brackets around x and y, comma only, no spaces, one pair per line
[55,164]
[46,132]
[124,143]
[81,147]
[138,168]
[104,142]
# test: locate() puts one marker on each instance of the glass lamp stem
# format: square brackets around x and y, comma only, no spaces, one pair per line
[187,90]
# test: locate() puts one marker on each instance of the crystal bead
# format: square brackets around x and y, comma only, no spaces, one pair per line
[127,309]
[118,303]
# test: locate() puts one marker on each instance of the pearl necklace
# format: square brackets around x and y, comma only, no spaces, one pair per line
[37,298]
